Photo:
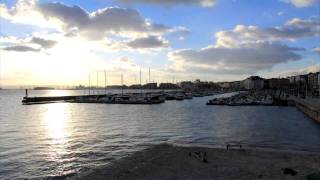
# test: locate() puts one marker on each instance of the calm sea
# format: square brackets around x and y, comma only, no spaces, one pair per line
[61,139]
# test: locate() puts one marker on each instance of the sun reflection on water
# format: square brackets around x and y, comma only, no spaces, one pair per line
[56,122]
[56,118]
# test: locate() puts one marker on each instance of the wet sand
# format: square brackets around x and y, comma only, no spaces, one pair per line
[175,162]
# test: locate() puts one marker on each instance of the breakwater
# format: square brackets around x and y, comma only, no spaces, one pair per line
[309,107]
[123,98]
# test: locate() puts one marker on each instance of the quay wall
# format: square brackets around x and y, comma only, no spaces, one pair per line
[310,109]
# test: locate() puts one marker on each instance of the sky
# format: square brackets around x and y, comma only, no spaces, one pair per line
[68,42]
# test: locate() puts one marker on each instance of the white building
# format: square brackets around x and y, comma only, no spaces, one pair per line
[254,82]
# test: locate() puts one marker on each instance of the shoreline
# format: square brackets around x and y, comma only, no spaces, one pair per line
[165,161]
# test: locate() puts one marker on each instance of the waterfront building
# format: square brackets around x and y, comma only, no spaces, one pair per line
[236,85]
[277,83]
[254,83]
[150,86]
[313,83]
[168,86]
[225,85]
[187,85]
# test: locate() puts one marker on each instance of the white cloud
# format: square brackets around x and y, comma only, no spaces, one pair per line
[99,25]
[203,3]
[94,25]
[301,3]
[294,29]
[317,50]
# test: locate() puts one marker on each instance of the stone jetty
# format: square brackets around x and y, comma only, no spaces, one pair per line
[311,107]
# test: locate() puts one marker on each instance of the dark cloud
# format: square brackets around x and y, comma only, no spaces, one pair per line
[44,43]
[21,48]
[148,42]
[250,57]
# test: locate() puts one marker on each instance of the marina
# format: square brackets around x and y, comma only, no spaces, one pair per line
[254,98]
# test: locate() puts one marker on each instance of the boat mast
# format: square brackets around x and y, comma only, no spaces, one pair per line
[105,82]
[122,84]
[89,83]
[149,76]
[140,82]
[97,82]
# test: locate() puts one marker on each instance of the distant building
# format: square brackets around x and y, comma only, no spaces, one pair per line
[292,79]
[277,83]
[135,86]
[187,85]
[150,86]
[117,87]
[314,83]
[254,82]
[168,86]
[224,85]
[236,85]
[313,80]
[205,85]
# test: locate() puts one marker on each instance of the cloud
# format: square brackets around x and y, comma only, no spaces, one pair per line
[246,49]
[122,28]
[95,25]
[317,50]
[313,68]
[34,44]
[203,3]
[21,48]
[249,58]
[44,43]
[144,43]
[292,30]
[301,3]
[148,42]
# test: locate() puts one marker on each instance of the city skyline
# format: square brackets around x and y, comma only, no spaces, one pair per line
[61,43]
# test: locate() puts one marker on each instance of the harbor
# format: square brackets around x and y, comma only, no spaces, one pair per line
[159,90]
